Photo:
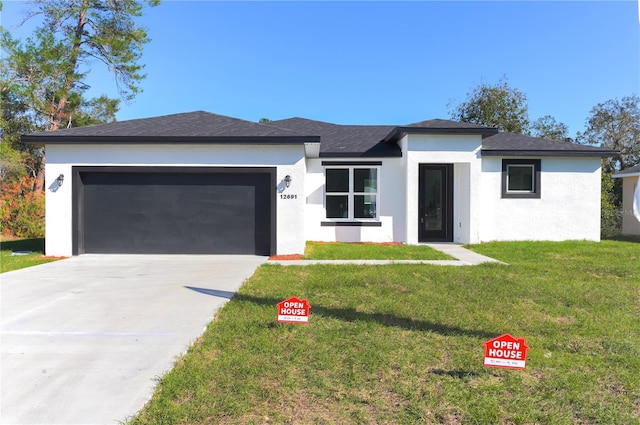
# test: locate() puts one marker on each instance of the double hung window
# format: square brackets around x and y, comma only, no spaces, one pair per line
[351,193]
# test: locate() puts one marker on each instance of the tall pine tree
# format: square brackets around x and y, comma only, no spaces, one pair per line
[48,71]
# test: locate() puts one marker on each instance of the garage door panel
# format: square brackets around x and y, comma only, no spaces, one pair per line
[154,213]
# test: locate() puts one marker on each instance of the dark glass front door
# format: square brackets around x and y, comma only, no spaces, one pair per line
[435,203]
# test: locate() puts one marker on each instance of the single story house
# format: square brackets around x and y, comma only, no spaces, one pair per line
[205,183]
[630,200]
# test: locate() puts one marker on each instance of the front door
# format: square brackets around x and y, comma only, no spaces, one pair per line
[435,203]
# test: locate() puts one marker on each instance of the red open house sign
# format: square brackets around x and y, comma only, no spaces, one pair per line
[506,352]
[293,310]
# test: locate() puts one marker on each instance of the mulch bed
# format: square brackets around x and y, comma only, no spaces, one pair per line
[286,257]
[299,256]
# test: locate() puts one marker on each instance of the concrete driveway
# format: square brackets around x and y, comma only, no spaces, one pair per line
[85,339]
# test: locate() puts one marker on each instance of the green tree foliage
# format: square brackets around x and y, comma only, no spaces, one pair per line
[615,124]
[16,159]
[610,216]
[548,127]
[98,110]
[11,163]
[48,71]
[498,106]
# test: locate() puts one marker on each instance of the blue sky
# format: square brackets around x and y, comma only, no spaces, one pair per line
[377,62]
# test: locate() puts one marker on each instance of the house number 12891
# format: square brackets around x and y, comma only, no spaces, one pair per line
[288,196]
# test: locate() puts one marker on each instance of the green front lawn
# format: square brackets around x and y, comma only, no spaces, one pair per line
[404,344]
[370,251]
[9,261]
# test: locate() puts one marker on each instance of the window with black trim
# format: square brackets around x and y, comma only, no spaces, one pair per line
[351,193]
[521,178]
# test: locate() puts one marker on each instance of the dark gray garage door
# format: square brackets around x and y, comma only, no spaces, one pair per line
[169,212]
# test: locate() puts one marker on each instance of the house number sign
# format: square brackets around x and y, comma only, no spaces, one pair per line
[288,196]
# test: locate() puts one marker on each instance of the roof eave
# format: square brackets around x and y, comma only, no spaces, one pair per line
[394,154]
[42,139]
[542,152]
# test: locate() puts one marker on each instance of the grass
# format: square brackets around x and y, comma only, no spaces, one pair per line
[370,251]
[404,344]
[9,262]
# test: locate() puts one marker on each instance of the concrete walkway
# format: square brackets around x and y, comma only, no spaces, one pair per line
[467,257]
[463,257]
[85,339]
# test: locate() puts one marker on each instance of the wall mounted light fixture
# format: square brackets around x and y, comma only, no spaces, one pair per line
[287,180]
[60,180]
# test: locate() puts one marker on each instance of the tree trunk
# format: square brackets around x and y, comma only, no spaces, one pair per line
[39,184]
[59,113]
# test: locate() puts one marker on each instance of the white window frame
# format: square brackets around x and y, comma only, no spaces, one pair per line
[533,178]
[352,194]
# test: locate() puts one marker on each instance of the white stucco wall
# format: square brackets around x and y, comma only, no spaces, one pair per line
[390,204]
[463,152]
[569,206]
[630,224]
[289,160]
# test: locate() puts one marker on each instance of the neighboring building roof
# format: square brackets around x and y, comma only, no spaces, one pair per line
[628,172]
[336,140]
[510,144]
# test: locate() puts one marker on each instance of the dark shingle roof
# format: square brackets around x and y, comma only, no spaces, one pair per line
[344,140]
[440,123]
[502,144]
[439,126]
[201,125]
[336,140]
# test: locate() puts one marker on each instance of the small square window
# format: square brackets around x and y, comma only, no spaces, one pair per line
[521,178]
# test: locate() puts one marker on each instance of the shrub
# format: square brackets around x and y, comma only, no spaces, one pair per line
[22,209]
[610,214]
